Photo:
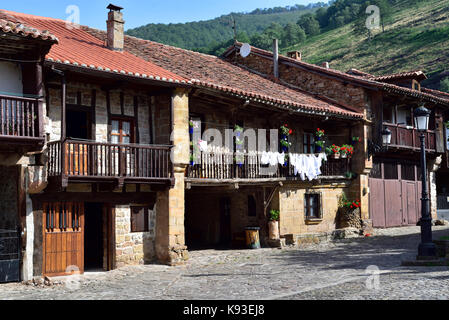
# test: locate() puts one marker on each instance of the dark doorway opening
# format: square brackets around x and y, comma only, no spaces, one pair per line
[93,236]
[78,124]
[225,222]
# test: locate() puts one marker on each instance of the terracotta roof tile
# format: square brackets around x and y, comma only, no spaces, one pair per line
[217,74]
[356,79]
[79,48]
[9,25]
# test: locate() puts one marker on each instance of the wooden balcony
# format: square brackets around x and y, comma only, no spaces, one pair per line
[223,168]
[87,161]
[20,123]
[406,138]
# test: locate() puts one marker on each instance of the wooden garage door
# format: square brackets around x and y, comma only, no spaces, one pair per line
[63,231]
[395,190]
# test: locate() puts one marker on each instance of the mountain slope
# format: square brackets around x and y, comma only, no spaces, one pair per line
[416,37]
[206,34]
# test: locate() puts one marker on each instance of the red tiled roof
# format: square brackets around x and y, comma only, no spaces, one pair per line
[356,79]
[217,74]
[79,48]
[418,74]
[9,26]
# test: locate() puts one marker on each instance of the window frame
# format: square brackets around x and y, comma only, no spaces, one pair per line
[318,207]
[308,146]
[134,227]
[121,120]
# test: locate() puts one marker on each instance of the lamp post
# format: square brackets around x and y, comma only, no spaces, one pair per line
[386,137]
[426,249]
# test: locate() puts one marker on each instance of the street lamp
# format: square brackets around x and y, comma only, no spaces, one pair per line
[374,147]
[426,249]
[386,137]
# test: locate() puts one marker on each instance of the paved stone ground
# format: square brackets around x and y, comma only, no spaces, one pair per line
[325,271]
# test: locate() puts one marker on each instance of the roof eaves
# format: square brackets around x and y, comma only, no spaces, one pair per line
[279,103]
[121,72]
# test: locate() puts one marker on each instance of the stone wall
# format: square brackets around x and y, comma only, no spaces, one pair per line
[81,94]
[291,207]
[133,247]
[309,81]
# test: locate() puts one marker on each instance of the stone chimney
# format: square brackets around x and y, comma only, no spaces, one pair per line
[295,55]
[325,65]
[116,28]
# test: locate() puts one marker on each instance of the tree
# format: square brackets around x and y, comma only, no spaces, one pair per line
[444,85]
[274,31]
[309,24]
[293,34]
[261,40]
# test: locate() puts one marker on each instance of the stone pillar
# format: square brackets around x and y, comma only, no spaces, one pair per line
[170,233]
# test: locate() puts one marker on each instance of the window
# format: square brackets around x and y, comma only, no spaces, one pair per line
[252,206]
[408,172]
[309,142]
[140,219]
[312,206]
[376,171]
[390,171]
[122,131]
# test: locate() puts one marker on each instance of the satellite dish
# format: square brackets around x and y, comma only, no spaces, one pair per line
[245,50]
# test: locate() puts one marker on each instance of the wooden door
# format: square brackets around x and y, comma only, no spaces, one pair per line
[63,238]
[393,203]
[377,202]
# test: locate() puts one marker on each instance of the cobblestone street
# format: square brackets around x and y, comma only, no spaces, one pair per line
[325,271]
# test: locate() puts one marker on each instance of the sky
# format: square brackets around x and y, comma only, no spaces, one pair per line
[141,12]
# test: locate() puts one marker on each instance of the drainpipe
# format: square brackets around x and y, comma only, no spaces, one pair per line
[276,58]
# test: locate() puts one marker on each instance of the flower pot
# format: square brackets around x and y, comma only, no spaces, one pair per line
[273,230]
[344,155]
[190,130]
[336,156]
[192,163]
[318,149]
[284,149]
[349,218]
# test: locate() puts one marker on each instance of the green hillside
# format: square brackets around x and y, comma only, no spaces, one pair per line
[203,35]
[416,36]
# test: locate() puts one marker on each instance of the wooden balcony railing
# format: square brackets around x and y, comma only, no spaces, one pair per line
[408,138]
[19,117]
[87,160]
[223,166]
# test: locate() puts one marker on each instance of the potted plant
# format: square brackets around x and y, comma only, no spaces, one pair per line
[355,140]
[333,151]
[239,141]
[285,133]
[273,225]
[346,151]
[319,134]
[319,145]
[349,213]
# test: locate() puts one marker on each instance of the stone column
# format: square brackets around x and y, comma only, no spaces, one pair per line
[170,233]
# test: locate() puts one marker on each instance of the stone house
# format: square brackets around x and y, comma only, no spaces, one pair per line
[98,133]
